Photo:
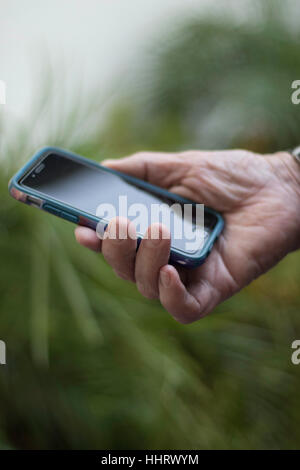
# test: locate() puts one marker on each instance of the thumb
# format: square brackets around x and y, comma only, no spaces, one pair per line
[158,168]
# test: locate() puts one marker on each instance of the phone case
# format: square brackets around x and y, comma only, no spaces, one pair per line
[32,197]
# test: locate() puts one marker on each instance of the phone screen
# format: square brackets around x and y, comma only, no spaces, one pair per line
[86,187]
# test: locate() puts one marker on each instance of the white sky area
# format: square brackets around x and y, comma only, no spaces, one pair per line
[96,44]
[94,40]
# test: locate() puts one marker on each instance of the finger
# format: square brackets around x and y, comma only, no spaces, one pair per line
[119,247]
[163,169]
[213,282]
[175,297]
[153,253]
[88,238]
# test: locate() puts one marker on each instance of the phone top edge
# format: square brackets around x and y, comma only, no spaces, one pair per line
[44,151]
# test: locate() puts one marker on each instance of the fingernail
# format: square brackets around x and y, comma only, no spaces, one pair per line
[165,278]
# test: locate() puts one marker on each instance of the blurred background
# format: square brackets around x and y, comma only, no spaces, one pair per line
[90,363]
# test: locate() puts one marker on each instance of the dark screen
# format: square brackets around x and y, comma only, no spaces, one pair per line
[84,186]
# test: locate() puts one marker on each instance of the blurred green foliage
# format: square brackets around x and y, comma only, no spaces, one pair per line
[91,364]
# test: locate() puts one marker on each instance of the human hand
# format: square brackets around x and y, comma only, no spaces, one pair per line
[259,198]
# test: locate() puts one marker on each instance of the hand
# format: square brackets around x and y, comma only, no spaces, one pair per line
[259,197]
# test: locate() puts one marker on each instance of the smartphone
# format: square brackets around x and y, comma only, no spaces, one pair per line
[74,188]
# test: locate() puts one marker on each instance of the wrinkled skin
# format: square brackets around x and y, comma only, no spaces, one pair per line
[259,197]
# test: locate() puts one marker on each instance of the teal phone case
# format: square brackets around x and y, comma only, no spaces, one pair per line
[34,198]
